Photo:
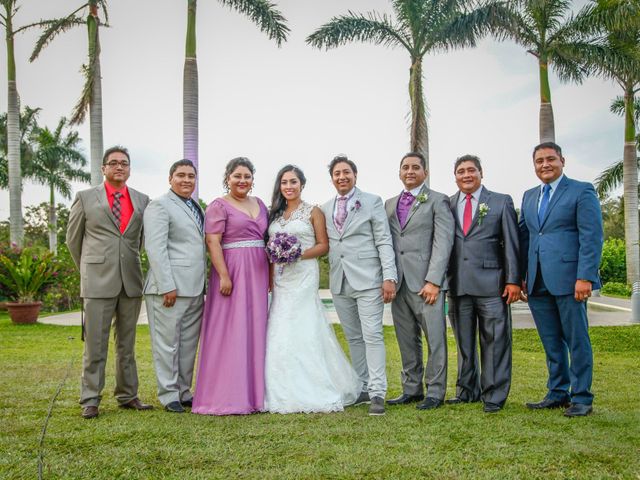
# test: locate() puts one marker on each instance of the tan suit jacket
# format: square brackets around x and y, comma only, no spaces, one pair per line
[107,259]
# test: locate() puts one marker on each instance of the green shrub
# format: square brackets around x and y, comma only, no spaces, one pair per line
[64,293]
[616,288]
[613,267]
[323,263]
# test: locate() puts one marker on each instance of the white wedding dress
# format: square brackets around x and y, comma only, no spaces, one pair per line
[305,369]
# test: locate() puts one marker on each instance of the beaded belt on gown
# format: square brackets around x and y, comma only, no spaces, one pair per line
[243,244]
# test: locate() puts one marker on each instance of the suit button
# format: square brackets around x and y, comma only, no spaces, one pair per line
[401,253]
[340,240]
[341,256]
[122,255]
[465,259]
[402,234]
[540,234]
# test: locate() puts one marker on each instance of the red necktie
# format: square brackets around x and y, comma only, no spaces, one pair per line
[466,217]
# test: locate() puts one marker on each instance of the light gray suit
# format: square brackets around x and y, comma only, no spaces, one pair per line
[177,261]
[484,261]
[360,258]
[110,285]
[422,248]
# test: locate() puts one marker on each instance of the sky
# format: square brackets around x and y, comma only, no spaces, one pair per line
[299,105]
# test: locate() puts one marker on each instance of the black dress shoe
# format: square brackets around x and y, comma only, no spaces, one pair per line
[363,398]
[491,407]
[578,410]
[174,407]
[136,404]
[90,412]
[187,403]
[457,400]
[429,403]
[376,408]
[548,403]
[405,399]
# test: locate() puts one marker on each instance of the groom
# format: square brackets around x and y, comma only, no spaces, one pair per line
[362,276]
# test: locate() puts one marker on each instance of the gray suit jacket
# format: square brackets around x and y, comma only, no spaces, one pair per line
[175,247]
[423,246]
[488,257]
[107,259]
[363,252]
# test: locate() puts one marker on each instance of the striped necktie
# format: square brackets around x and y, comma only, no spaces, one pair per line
[116,207]
[196,213]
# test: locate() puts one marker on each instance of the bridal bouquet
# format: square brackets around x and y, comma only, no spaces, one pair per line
[283,248]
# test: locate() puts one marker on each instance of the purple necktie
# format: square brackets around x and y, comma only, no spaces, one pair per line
[341,214]
[404,206]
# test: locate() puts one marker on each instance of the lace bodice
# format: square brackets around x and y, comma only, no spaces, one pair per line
[298,224]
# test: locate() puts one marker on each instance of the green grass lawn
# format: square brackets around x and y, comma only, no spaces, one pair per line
[451,442]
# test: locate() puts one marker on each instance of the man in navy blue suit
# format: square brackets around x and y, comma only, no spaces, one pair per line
[561,245]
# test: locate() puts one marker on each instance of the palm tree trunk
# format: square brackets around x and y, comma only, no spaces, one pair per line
[419,130]
[95,104]
[190,93]
[53,222]
[16,229]
[630,189]
[547,126]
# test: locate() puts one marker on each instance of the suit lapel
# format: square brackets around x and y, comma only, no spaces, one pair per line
[133,195]
[560,189]
[178,201]
[352,211]
[454,210]
[414,206]
[101,196]
[394,218]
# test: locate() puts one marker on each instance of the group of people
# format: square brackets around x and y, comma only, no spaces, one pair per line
[280,354]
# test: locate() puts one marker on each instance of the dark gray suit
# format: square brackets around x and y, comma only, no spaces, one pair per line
[482,263]
[422,248]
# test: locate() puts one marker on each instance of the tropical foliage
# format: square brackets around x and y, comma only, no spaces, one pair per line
[57,161]
[27,274]
[91,96]
[28,122]
[420,27]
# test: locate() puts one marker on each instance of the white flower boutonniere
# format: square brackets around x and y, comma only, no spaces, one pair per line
[483,209]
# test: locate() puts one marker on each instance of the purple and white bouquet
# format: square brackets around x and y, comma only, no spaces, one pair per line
[283,248]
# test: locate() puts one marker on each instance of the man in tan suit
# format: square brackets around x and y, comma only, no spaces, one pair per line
[104,238]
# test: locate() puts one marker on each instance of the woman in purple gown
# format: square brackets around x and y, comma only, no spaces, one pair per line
[230,378]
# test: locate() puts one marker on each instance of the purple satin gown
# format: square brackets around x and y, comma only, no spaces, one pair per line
[230,377]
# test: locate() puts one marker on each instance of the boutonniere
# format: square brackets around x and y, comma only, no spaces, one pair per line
[423,197]
[483,209]
[356,206]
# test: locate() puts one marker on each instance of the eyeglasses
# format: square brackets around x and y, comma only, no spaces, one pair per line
[114,164]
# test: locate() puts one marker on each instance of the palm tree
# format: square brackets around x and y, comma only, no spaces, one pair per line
[28,122]
[262,13]
[549,32]
[57,161]
[619,24]
[420,27]
[91,96]
[611,177]
[13,123]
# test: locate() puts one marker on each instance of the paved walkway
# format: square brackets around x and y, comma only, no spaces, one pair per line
[603,311]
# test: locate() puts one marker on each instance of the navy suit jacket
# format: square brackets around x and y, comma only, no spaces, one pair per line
[567,244]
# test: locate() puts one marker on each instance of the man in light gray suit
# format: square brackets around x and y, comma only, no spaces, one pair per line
[422,230]
[362,276]
[484,279]
[174,241]
[104,236]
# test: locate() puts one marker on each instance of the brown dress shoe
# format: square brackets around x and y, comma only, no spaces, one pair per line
[136,404]
[90,412]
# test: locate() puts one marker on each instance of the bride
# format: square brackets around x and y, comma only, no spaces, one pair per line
[305,368]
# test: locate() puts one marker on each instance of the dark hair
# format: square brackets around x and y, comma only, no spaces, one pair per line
[418,155]
[278,202]
[467,158]
[232,165]
[342,159]
[114,149]
[552,145]
[182,163]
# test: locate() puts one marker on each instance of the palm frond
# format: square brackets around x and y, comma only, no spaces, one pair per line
[80,109]
[609,179]
[52,29]
[617,107]
[370,27]
[264,14]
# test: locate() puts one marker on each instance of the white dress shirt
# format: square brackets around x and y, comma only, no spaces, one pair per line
[462,201]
